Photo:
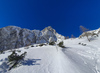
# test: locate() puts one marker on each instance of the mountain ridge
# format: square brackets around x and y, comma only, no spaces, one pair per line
[16,37]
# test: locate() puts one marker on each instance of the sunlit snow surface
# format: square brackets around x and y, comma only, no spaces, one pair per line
[74,58]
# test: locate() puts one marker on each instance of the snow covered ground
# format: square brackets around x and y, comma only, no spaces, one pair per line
[75,58]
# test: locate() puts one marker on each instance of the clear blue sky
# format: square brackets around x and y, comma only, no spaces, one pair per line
[63,15]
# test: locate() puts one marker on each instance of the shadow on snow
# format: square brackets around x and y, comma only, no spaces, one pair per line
[4,66]
[31,62]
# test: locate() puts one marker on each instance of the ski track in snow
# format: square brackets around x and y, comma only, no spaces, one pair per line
[80,62]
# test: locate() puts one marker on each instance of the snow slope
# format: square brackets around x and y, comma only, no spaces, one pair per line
[75,58]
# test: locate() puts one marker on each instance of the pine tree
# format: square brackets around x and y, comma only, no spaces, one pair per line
[84,30]
[14,59]
[67,37]
[72,36]
[61,44]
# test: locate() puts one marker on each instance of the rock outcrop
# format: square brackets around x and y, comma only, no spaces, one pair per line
[15,37]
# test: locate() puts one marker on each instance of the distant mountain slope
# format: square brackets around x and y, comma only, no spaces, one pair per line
[15,37]
[90,33]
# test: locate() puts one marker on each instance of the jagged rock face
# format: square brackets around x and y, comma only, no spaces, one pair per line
[47,33]
[50,32]
[44,35]
[39,37]
[14,37]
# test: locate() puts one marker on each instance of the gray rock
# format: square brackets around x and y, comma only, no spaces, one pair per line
[12,37]
[15,37]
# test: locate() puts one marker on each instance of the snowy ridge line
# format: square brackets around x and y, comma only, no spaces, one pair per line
[12,37]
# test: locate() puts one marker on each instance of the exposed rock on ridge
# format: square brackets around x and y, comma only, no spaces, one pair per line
[15,37]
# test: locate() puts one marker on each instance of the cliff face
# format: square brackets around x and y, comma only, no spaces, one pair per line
[15,37]
[46,34]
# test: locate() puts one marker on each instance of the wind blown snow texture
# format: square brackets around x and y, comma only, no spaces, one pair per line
[75,58]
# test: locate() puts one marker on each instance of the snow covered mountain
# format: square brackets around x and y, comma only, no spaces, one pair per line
[79,56]
[90,33]
[12,37]
[15,37]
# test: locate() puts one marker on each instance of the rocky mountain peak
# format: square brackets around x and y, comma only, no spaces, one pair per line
[12,37]
[49,28]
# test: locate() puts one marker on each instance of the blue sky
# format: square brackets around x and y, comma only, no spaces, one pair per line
[63,15]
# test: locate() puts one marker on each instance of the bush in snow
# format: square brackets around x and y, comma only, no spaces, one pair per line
[79,43]
[1,51]
[36,45]
[52,43]
[72,36]
[14,59]
[94,34]
[61,45]
[18,50]
[32,46]
[41,44]
[82,44]
[67,37]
